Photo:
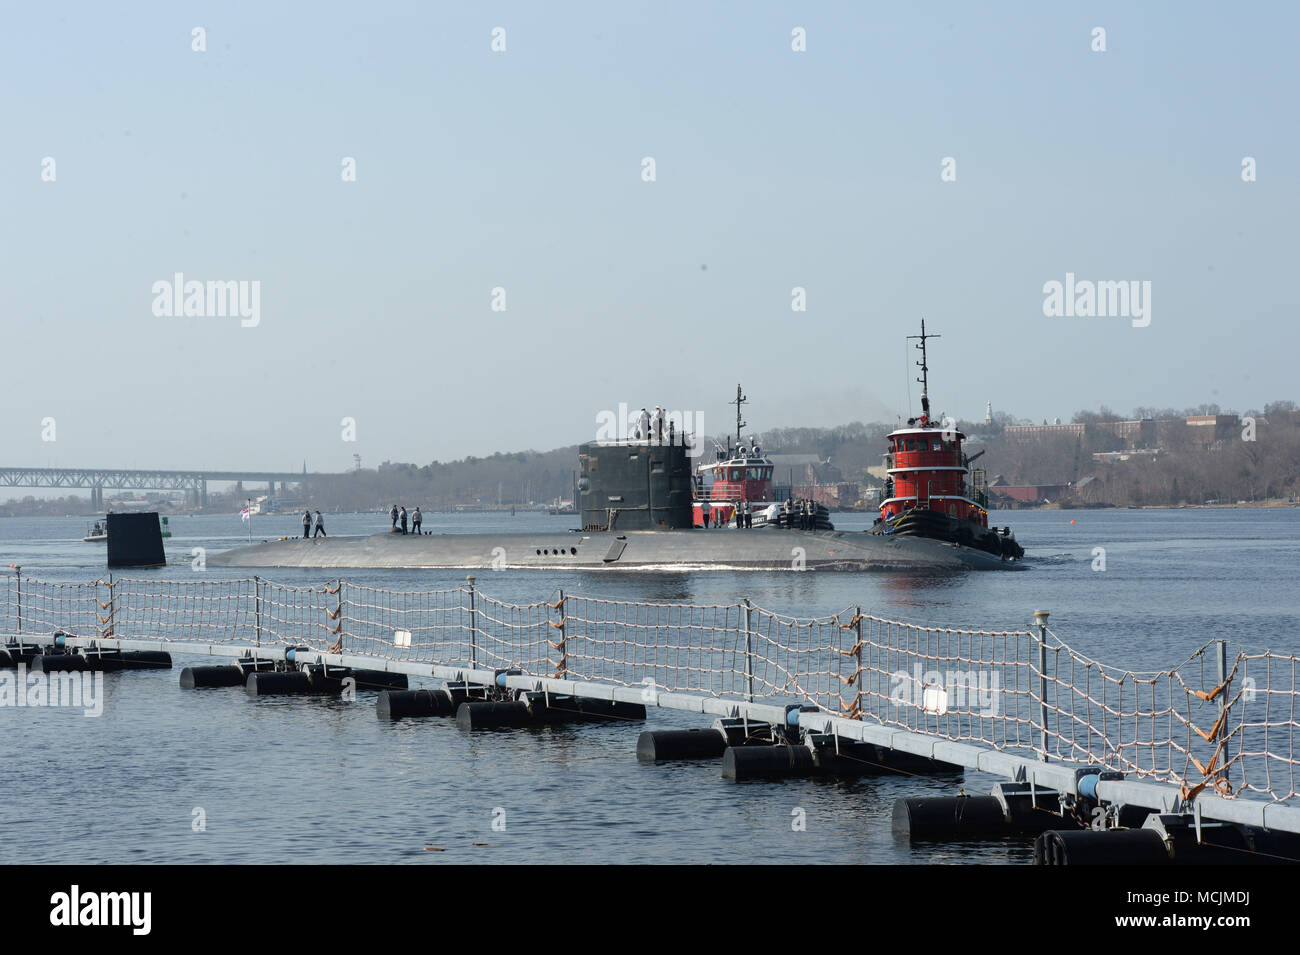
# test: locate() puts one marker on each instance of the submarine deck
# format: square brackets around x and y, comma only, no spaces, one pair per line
[760,549]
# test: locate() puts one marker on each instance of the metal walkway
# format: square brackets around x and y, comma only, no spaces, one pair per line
[1213,736]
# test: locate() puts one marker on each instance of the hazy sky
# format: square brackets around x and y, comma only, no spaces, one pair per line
[523,170]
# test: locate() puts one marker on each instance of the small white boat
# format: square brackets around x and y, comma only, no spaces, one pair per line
[98,533]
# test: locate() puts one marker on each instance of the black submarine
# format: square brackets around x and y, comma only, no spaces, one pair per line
[644,508]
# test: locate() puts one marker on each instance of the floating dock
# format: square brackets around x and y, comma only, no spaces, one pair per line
[1193,763]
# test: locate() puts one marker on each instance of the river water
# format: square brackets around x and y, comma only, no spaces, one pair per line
[318,780]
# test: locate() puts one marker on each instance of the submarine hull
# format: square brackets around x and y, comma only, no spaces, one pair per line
[769,549]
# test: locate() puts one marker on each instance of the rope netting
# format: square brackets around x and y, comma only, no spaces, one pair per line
[1226,725]
[41,607]
[971,686]
[1256,738]
[374,621]
[1192,725]
[690,648]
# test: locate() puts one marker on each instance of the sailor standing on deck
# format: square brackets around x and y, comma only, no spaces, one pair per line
[659,424]
[749,516]
[393,515]
[320,526]
[402,518]
[643,424]
[704,514]
[306,524]
[416,519]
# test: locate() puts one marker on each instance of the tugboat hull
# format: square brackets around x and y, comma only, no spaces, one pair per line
[921,522]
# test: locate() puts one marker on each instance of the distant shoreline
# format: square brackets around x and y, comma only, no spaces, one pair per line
[1273,504]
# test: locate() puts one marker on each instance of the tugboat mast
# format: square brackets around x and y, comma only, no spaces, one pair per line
[740,400]
[925,371]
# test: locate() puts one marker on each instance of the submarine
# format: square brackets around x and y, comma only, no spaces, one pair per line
[643,508]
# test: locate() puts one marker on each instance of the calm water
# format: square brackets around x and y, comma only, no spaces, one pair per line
[314,780]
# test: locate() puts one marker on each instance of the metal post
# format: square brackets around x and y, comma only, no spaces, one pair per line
[112,605]
[18,574]
[1221,659]
[473,626]
[562,670]
[857,614]
[1041,617]
[257,607]
[339,614]
[749,651]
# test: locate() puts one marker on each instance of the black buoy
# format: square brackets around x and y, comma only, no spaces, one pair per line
[327,681]
[247,665]
[950,817]
[12,654]
[131,660]
[198,677]
[110,661]
[379,680]
[780,761]
[492,714]
[399,704]
[654,746]
[1101,847]
[586,708]
[270,682]
[59,663]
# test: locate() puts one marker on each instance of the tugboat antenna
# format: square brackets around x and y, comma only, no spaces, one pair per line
[925,370]
[740,400]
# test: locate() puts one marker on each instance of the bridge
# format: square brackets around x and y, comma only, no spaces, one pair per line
[96,479]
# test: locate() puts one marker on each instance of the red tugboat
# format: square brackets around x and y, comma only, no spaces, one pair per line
[931,491]
[741,478]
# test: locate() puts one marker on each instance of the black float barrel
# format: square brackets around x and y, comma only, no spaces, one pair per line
[270,682]
[198,677]
[326,681]
[1101,847]
[950,817]
[399,704]
[59,663]
[379,680]
[15,653]
[109,662]
[137,660]
[609,709]
[659,745]
[768,762]
[492,714]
